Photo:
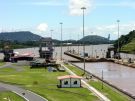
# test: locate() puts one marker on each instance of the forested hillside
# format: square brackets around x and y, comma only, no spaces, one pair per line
[127,42]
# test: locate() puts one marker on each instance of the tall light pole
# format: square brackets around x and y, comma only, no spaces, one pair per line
[118,21]
[51,33]
[61,40]
[70,41]
[102,79]
[92,45]
[52,38]
[78,45]
[83,8]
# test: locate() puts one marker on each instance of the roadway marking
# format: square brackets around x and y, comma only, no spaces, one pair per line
[17,90]
[20,95]
[37,95]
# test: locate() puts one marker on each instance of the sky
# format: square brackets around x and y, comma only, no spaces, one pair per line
[41,16]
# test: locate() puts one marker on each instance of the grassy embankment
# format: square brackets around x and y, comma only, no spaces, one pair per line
[129,48]
[45,84]
[9,96]
[126,42]
[108,91]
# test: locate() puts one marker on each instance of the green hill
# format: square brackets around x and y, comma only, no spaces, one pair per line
[94,39]
[130,47]
[20,36]
[127,42]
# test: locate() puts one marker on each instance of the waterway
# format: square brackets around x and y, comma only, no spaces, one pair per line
[92,50]
[121,76]
[118,75]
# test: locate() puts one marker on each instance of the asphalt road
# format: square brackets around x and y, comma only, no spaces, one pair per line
[27,95]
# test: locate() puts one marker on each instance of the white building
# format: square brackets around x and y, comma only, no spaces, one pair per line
[70,81]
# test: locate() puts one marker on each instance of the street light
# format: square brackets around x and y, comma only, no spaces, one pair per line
[61,39]
[92,45]
[102,79]
[83,8]
[78,45]
[52,38]
[51,33]
[118,21]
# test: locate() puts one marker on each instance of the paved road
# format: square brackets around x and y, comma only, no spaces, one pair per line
[9,65]
[28,96]
[3,89]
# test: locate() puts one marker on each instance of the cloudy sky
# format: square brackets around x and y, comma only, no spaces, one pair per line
[41,16]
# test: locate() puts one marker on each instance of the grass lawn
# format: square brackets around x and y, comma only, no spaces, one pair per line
[2,63]
[45,84]
[108,91]
[74,69]
[9,96]
[130,47]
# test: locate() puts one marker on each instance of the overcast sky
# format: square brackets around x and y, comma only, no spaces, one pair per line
[41,16]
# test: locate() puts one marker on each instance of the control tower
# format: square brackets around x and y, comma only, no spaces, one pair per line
[46,48]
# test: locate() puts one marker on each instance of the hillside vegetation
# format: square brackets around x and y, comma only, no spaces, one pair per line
[21,36]
[127,42]
[24,39]
[130,47]
[94,39]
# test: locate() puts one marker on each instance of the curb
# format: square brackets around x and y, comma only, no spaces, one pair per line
[20,95]
[37,95]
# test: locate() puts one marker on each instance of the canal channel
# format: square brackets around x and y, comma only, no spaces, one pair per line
[121,76]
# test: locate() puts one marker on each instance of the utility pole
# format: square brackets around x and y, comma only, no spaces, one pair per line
[83,8]
[61,40]
[78,45]
[118,21]
[51,33]
[102,79]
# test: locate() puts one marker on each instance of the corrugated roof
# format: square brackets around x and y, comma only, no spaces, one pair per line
[69,76]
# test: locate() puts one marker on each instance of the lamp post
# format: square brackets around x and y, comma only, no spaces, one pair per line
[78,45]
[51,33]
[61,40]
[70,41]
[52,38]
[92,45]
[118,21]
[102,79]
[96,53]
[83,8]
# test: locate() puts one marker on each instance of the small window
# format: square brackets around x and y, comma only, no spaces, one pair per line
[65,82]
[75,82]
